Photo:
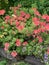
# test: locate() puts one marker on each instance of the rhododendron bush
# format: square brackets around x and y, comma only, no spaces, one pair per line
[24,31]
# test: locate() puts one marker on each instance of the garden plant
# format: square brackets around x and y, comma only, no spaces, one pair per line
[24,31]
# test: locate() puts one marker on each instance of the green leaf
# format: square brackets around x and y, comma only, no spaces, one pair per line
[3,62]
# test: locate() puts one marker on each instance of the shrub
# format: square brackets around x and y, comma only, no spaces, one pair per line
[24,31]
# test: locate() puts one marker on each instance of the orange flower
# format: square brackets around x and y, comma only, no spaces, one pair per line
[20,18]
[47,27]
[35,31]
[14,53]
[22,13]
[27,16]
[6,46]
[40,39]
[2,12]
[47,19]
[44,16]
[20,27]
[37,13]
[25,43]
[5,49]
[17,23]
[7,17]
[18,43]
[42,24]
[36,21]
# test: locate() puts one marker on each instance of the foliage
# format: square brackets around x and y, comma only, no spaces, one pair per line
[3,62]
[7,3]
[24,29]
[43,6]
[21,63]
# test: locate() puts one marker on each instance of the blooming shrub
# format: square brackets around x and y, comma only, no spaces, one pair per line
[24,32]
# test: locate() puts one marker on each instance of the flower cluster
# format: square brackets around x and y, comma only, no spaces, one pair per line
[24,33]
